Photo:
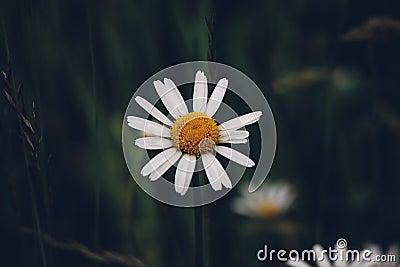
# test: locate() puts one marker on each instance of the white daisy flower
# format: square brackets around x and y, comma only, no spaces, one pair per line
[191,135]
[269,201]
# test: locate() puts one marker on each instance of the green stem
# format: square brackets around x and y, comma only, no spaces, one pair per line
[198,224]
[95,128]
[34,207]
[199,227]
[326,161]
[38,125]
[33,195]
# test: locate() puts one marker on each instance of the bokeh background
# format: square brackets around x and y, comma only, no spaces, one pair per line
[330,70]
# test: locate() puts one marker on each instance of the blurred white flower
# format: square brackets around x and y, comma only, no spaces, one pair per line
[267,202]
[322,259]
[345,259]
[379,258]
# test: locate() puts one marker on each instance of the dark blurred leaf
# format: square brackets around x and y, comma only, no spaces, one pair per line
[378,29]
[101,256]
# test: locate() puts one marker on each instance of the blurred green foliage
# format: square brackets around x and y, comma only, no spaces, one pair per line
[331,74]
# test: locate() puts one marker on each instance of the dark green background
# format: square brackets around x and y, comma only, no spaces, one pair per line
[336,105]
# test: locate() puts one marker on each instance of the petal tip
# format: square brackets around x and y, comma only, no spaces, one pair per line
[252,188]
[157,82]
[258,114]
[199,74]
[167,80]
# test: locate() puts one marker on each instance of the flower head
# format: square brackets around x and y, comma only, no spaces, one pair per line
[269,201]
[191,135]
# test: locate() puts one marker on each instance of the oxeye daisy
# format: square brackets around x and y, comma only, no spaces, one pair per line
[269,201]
[189,136]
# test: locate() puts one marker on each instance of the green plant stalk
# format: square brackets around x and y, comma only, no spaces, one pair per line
[43,172]
[199,227]
[32,193]
[93,71]
[42,158]
[34,204]
[198,224]
[26,156]
[326,169]
[374,137]
[43,181]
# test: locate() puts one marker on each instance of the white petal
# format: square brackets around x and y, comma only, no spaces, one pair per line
[158,160]
[235,156]
[216,97]
[149,127]
[240,206]
[365,263]
[241,121]
[286,201]
[184,173]
[376,250]
[187,181]
[276,191]
[153,142]
[318,253]
[165,166]
[235,134]
[152,110]
[171,97]
[340,261]
[211,171]
[200,92]
[234,141]
[252,204]
[222,175]
[179,102]
[284,196]
[297,263]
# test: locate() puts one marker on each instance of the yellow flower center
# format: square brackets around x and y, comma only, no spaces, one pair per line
[267,209]
[195,133]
